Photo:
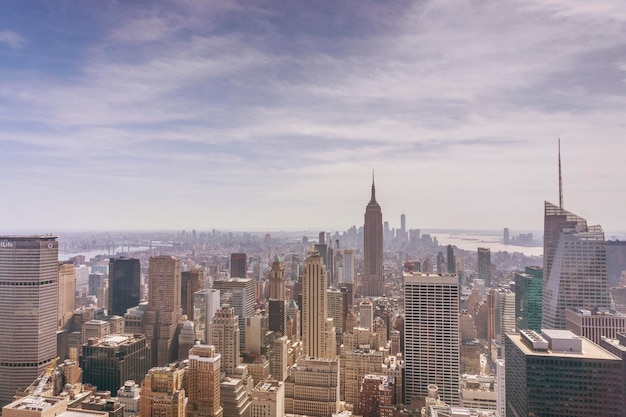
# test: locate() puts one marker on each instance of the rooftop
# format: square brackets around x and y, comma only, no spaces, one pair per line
[589,349]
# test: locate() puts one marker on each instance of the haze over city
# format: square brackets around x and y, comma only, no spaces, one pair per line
[272,114]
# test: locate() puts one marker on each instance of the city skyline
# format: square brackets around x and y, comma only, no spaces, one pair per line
[178,116]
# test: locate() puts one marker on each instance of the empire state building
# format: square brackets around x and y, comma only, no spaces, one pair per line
[372,283]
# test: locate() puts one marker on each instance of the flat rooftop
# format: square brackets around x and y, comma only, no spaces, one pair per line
[589,349]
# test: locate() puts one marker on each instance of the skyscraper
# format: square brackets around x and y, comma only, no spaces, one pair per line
[315,308]
[108,362]
[190,282]
[29,272]
[203,382]
[431,335]
[164,310]
[225,333]
[238,265]
[528,299]
[67,293]
[277,301]
[240,295]
[484,266]
[372,283]
[124,285]
[575,268]
[348,266]
[450,260]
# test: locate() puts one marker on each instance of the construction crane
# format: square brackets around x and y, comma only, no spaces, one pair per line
[45,377]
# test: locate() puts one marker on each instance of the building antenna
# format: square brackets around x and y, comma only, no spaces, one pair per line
[560,178]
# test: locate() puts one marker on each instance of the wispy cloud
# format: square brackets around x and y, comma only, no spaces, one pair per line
[277,101]
[12,39]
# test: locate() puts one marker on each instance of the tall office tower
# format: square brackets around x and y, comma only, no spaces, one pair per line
[29,273]
[314,307]
[377,396]
[278,300]
[279,358]
[206,303]
[505,239]
[337,309]
[238,265]
[312,388]
[450,260]
[505,312]
[366,314]
[108,362]
[484,266]
[528,298]
[431,335]
[372,282]
[560,374]
[348,265]
[241,294]
[164,310]
[403,226]
[124,284]
[162,392]
[67,293]
[574,265]
[441,263]
[203,382]
[268,399]
[595,323]
[190,282]
[129,395]
[225,330]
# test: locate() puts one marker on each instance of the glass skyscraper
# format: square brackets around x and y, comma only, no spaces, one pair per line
[575,268]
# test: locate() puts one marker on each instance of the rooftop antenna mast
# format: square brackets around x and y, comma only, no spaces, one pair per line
[560,178]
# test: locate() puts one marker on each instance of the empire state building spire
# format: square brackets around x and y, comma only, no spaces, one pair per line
[373,199]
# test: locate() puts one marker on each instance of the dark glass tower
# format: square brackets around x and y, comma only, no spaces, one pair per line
[124,283]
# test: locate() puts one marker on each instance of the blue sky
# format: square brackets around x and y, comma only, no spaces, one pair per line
[271,115]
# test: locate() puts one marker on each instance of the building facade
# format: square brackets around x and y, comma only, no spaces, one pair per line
[109,362]
[315,309]
[29,274]
[431,334]
[203,382]
[528,298]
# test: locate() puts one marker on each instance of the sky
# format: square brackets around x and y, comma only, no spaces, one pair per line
[272,115]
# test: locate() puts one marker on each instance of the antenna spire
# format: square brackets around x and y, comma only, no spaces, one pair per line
[373,199]
[560,178]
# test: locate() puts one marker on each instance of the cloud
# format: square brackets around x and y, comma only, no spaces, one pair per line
[12,39]
[267,101]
